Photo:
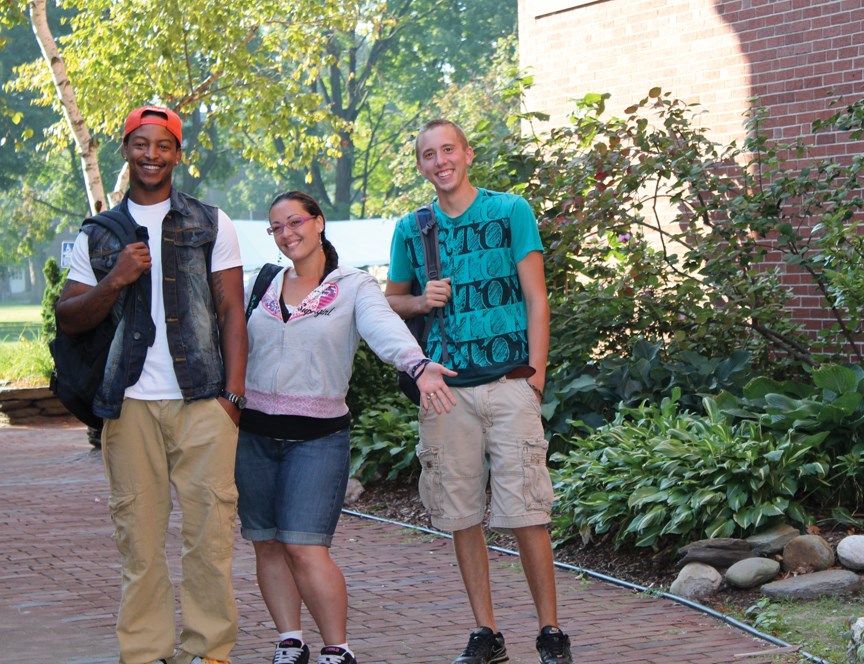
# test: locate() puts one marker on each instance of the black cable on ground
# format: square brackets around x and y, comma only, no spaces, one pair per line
[619,582]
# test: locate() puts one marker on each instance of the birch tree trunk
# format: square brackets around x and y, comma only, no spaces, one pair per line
[120,186]
[87,146]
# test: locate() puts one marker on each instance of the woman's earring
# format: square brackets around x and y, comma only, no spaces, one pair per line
[279,259]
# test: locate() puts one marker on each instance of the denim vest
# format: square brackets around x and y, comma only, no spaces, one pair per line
[188,234]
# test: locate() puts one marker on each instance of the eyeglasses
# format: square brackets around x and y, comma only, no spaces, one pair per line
[292,224]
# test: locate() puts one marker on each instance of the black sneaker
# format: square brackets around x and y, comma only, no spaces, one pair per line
[484,647]
[335,655]
[554,646]
[291,651]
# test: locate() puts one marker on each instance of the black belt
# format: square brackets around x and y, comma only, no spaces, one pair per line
[524,371]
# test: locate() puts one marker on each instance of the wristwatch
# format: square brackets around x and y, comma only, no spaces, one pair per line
[236,399]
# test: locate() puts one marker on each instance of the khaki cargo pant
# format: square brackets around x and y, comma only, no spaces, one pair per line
[192,446]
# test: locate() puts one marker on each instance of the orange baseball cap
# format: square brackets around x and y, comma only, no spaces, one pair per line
[157,115]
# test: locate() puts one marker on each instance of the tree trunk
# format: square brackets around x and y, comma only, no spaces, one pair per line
[37,279]
[87,146]
[120,186]
[27,273]
[343,190]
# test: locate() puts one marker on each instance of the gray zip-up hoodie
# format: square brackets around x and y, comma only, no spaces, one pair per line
[302,366]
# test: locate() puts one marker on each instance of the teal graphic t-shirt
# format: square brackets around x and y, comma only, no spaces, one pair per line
[485,320]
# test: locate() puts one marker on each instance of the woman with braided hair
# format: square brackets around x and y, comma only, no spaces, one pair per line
[293,453]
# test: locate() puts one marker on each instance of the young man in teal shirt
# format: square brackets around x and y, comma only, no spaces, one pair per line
[496,323]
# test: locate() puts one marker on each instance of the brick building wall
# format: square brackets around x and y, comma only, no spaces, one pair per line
[796,56]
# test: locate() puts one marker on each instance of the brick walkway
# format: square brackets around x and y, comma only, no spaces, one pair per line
[59,583]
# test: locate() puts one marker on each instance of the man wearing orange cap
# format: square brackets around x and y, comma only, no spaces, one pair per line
[171,395]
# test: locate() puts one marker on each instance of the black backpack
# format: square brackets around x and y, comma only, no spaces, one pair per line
[79,360]
[420,325]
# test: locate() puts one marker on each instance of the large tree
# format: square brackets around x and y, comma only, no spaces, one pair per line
[382,179]
[488,107]
[238,69]
[39,193]
[325,88]
[380,77]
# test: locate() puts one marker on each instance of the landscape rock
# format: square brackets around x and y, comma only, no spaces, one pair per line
[696,580]
[28,404]
[752,572]
[808,553]
[772,540]
[850,552]
[812,586]
[53,410]
[353,491]
[719,552]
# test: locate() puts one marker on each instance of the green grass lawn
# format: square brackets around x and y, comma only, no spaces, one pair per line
[819,626]
[19,322]
[15,312]
[24,357]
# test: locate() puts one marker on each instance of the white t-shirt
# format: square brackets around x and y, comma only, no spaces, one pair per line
[158,380]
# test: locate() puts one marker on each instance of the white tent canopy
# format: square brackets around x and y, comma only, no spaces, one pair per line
[360,242]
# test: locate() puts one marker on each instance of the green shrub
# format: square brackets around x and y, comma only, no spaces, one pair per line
[54,280]
[591,393]
[384,429]
[654,231]
[371,381]
[634,215]
[831,404]
[657,471]
[383,439]
[26,362]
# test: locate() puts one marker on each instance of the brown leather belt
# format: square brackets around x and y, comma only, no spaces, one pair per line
[520,372]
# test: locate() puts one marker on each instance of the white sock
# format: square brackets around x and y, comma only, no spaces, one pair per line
[298,634]
[344,646]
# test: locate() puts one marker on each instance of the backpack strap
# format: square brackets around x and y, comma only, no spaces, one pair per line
[262,281]
[117,222]
[428,226]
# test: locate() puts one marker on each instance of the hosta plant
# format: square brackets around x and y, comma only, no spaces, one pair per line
[830,404]
[591,392]
[383,439]
[657,471]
